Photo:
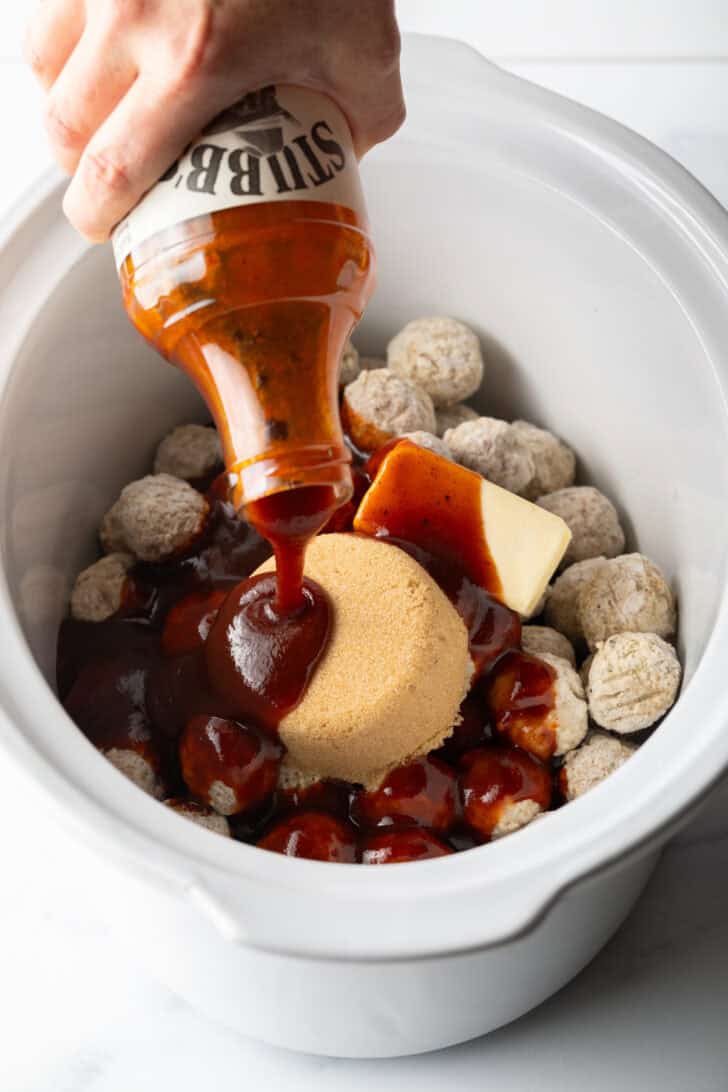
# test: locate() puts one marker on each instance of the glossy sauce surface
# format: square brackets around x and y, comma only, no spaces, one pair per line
[439,509]
[496,777]
[521,698]
[435,516]
[259,660]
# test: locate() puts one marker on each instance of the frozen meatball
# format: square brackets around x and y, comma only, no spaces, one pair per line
[503,789]
[379,405]
[349,367]
[547,721]
[291,776]
[441,355]
[155,518]
[201,815]
[554,462]
[627,593]
[447,417]
[493,449]
[633,681]
[598,757]
[515,816]
[430,441]
[539,639]
[569,714]
[592,520]
[137,768]
[99,590]
[189,452]
[562,598]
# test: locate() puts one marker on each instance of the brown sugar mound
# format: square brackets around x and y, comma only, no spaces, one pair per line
[395,671]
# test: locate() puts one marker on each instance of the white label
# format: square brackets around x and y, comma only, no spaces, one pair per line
[277,144]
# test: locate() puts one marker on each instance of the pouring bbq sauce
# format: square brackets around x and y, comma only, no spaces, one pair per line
[247,266]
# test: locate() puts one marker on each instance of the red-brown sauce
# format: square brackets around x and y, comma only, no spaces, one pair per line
[259,660]
[494,778]
[438,521]
[520,695]
[440,510]
[422,793]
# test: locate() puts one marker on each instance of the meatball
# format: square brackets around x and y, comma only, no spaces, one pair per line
[538,639]
[431,442]
[189,452]
[633,681]
[562,598]
[440,354]
[155,518]
[554,462]
[598,757]
[231,767]
[379,405]
[314,836]
[626,593]
[201,815]
[538,703]
[592,520]
[137,768]
[99,589]
[493,449]
[447,417]
[570,708]
[503,789]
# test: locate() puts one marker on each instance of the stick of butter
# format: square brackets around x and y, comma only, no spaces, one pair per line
[501,541]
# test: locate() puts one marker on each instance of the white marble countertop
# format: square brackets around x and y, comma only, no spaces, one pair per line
[650,1012]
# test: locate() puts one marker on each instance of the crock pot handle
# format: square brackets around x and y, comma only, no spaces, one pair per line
[457,64]
[368,920]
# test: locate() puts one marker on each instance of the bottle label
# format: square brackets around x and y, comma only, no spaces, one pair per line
[279,143]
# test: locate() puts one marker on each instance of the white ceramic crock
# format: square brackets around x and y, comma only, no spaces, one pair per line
[596,270]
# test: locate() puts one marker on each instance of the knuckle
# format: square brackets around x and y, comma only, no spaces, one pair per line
[62,133]
[382,126]
[379,48]
[389,46]
[106,174]
[393,121]
[33,52]
[201,46]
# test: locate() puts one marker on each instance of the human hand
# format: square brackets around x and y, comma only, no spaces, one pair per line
[130,82]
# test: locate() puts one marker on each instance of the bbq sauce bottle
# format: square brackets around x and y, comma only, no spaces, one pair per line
[247,265]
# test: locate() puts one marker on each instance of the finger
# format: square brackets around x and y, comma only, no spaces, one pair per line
[366,82]
[51,36]
[374,116]
[135,145]
[95,79]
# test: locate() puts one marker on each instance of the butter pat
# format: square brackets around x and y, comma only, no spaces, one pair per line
[526,550]
[503,542]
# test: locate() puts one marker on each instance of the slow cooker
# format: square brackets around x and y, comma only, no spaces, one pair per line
[596,271]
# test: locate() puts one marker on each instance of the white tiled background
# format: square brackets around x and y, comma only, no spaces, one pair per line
[651,1012]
